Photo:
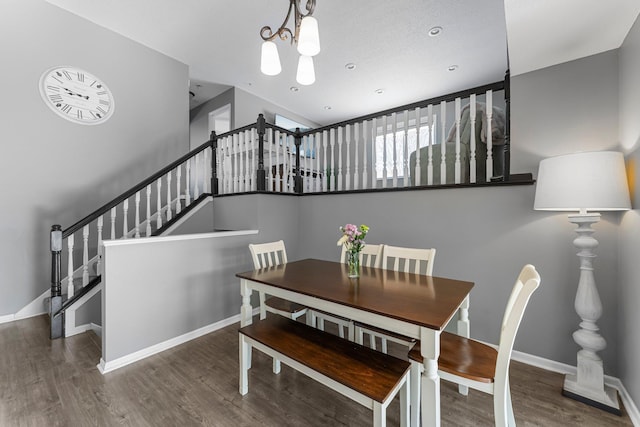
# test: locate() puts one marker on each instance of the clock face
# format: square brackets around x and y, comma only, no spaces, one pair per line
[76,95]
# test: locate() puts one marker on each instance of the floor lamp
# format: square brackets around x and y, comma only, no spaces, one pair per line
[586,182]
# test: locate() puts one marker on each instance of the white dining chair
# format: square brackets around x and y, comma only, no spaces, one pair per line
[408,260]
[473,364]
[270,255]
[370,255]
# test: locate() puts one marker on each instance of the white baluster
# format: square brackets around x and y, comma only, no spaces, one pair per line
[347,177]
[443,143]
[394,131]
[365,178]
[340,132]
[169,213]
[137,201]
[334,176]
[206,171]
[276,141]
[356,173]
[178,184]
[254,165]
[457,170]
[187,189]
[241,151]
[70,289]
[327,174]
[472,159]
[489,135]
[159,204]
[430,141]
[148,230]
[113,223]
[85,255]
[125,219]
[418,168]
[374,154]
[196,177]
[248,148]
[384,152]
[272,184]
[405,150]
[100,226]
[317,140]
[235,152]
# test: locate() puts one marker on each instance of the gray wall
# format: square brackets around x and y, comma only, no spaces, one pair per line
[55,171]
[628,313]
[247,107]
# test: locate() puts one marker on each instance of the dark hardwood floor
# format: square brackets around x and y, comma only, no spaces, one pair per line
[56,383]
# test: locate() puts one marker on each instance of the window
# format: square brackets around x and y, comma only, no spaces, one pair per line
[399,149]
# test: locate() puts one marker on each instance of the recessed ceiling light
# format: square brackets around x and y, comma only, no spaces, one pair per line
[379,91]
[294,89]
[350,66]
[435,31]
[452,67]
[327,107]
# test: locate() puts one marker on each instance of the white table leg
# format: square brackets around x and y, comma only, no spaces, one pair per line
[464,331]
[246,310]
[246,314]
[430,349]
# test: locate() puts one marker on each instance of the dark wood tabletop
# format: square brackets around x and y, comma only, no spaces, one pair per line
[427,301]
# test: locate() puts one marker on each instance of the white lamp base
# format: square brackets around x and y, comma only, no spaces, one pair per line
[588,384]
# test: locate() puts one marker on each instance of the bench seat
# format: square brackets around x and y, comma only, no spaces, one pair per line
[369,377]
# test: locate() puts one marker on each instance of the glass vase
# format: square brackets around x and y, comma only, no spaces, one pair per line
[353,263]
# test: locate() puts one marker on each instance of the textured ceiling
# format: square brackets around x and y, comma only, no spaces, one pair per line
[387,40]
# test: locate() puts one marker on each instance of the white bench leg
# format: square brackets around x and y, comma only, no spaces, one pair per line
[372,341]
[404,403]
[276,366]
[359,335]
[414,383]
[351,331]
[245,351]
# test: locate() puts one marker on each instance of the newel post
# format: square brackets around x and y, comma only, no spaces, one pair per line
[297,180]
[55,302]
[506,173]
[213,139]
[261,174]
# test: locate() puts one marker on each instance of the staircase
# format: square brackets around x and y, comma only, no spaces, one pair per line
[151,208]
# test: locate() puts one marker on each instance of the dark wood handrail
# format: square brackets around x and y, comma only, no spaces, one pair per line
[115,202]
[450,97]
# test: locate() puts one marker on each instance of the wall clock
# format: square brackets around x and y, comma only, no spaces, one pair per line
[76,95]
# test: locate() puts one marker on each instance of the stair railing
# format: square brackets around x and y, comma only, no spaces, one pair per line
[140,211]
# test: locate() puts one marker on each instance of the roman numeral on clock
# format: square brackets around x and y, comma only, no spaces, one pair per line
[66,74]
[55,98]
[80,77]
[66,108]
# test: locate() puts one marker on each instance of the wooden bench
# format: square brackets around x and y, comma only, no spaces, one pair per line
[369,377]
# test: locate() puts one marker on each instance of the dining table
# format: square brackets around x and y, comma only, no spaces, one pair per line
[413,305]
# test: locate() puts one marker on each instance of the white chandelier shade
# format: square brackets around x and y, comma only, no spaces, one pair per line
[270,60]
[306,74]
[309,38]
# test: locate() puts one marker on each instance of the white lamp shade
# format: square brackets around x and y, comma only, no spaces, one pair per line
[270,60]
[593,181]
[308,38]
[306,75]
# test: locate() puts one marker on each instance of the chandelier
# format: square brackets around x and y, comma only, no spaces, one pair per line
[305,36]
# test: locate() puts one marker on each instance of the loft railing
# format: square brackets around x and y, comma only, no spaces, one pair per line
[456,139]
[144,210]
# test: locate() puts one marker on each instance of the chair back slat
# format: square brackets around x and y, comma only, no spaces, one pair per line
[408,260]
[370,256]
[268,254]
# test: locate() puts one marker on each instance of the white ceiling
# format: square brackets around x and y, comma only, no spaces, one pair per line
[387,40]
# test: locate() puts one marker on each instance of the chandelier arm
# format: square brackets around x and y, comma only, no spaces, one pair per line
[283,32]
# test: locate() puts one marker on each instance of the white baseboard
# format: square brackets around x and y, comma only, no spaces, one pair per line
[105,367]
[7,318]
